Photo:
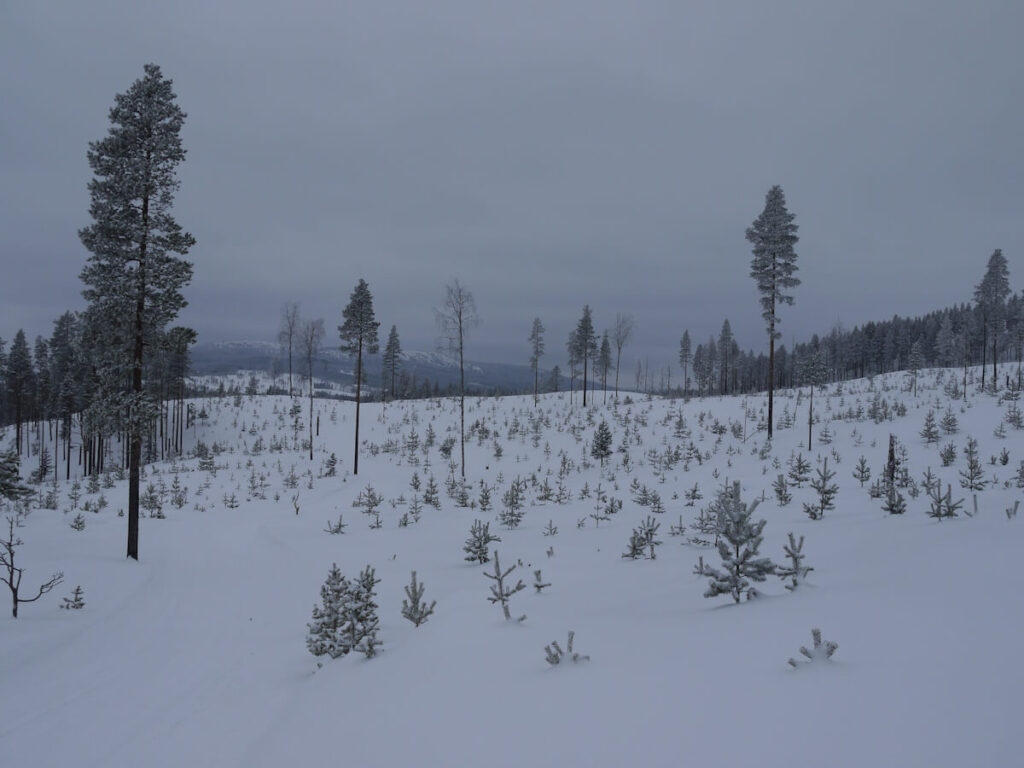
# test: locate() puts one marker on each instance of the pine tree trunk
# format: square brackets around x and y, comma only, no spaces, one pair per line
[810,418]
[618,359]
[771,376]
[584,378]
[462,402]
[995,379]
[984,352]
[359,382]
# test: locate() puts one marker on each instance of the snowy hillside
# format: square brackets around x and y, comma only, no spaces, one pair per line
[196,655]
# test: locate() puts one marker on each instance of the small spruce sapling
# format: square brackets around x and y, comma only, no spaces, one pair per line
[796,571]
[942,505]
[477,545]
[499,592]
[972,478]
[75,602]
[413,607]
[781,488]
[827,491]
[799,470]
[862,472]
[739,540]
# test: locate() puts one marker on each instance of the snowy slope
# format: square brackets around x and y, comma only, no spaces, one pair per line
[195,656]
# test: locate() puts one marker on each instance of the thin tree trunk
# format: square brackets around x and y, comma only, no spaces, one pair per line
[771,376]
[618,357]
[810,418]
[462,402]
[359,382]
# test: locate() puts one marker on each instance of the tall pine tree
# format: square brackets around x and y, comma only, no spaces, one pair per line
[990,295]
[536,350]
[133,278]
[773,236]
[358,336]
[392,359]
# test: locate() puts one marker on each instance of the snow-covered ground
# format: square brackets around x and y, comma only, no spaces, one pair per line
[196,654]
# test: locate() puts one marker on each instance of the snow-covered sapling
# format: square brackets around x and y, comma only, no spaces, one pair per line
[799,470]
[336,528]
[930,431]
[477,545]
[827,490]
[739,540]
[325,636]
[796,571]
[499,592]
[862,472]
[822,651]
[513,501]
[894,503]
[601,448]
[554,653]
[75,602]
[972,478]
[538,583]
[948,454]
[643,540]
[360,613]
[78,523]
[781,488]
[551,529]
[413,607]
[942,504]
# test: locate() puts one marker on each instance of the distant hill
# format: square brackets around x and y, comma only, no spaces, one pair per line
[227,357]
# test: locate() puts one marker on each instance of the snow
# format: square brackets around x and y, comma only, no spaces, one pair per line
[196,655]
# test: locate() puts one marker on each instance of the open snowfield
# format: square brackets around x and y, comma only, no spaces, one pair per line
[196,654]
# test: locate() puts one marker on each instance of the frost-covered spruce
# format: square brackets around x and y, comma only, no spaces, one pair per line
[325,636]
[948,454]
[826,489]
[413,607]
[862,472]
[796,571]
[601,447]
[499,592]
[799,470]
[781,488]
[942,504]
[739,540]
[360,614]
[930,431]
[75,602]
[972,478]
[643,540]
[949,422]
[894,504]
[477,546]
[513,501]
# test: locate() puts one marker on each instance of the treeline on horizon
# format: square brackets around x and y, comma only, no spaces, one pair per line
[52,384]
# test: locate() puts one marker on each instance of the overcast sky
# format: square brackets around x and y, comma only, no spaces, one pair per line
[548,154]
